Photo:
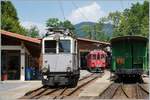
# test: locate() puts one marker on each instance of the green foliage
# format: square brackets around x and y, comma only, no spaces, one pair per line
[33,32]
[67,24]
[133,21]
[95,31]
[98,29]
[87,30]
[9,19]
[8,10]
[145,26]
[114,17]
[55,22]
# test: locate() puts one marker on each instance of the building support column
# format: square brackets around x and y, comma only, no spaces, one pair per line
[22,62]
[0,59]
[79,59]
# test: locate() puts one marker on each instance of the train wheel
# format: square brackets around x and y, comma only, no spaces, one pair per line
[73,82]
[44,83]
[139,78]
[119,78]
[97,69]
[90,69]
[102,70]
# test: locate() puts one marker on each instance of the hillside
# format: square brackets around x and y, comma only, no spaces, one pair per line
[107,28]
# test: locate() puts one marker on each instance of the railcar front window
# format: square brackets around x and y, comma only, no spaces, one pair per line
[64,46]
[98,56]
[50,46]
[102,56]
[94,56]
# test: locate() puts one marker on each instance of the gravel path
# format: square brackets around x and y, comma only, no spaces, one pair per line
[8,86]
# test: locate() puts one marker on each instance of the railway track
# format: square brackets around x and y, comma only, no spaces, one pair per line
[60,93]
[75,91]
[124,91]
[142,93]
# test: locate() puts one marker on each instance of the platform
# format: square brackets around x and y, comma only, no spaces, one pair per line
[16,89]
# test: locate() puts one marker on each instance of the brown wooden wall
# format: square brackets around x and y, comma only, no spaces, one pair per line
[88,46]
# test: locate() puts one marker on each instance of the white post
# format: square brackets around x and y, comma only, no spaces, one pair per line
[0,58]
[22,63]
[79,60]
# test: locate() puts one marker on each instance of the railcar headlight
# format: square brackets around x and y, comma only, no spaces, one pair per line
[68,69]
[45,77]
[44,70]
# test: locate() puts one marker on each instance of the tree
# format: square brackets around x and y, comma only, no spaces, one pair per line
[56,23]
[53,22]
[9,18]
[95,31]
[133,21]
[67,24]
[98,30]
[145,26]
[114,17]
[33,32]
[87,30]
[8,10]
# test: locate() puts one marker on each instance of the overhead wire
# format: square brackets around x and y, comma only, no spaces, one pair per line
[76,6]
[61,8]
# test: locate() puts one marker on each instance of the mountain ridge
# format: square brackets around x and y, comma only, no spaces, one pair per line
[107,28]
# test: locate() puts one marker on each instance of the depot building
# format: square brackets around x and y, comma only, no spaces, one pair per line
[19,53]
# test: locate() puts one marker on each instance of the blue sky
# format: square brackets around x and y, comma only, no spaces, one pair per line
[36,12]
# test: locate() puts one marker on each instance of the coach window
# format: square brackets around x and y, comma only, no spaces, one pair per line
[102,56]
[64,46]
[75,46]
[98,57]
[94,56]
[50,46]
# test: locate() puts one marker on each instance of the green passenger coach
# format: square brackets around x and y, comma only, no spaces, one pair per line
[129,55]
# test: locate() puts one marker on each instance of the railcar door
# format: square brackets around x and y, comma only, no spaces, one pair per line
[139,49]
[123,55]
[128,53]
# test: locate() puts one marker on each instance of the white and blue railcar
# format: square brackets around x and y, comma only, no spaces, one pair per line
[60,59]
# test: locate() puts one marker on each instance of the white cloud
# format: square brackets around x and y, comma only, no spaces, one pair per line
[28,24]
[90,12]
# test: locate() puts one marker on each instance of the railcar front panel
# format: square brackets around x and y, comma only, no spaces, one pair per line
[129,55]
[60,60]
[96,61]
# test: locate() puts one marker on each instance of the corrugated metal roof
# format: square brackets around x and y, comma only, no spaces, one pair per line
[21,37]
[129,38]
[95,41]
[38,40]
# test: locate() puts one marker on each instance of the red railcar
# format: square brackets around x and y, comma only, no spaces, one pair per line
[96,60]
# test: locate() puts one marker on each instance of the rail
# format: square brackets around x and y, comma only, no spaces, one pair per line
[125,91]
[63,92]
